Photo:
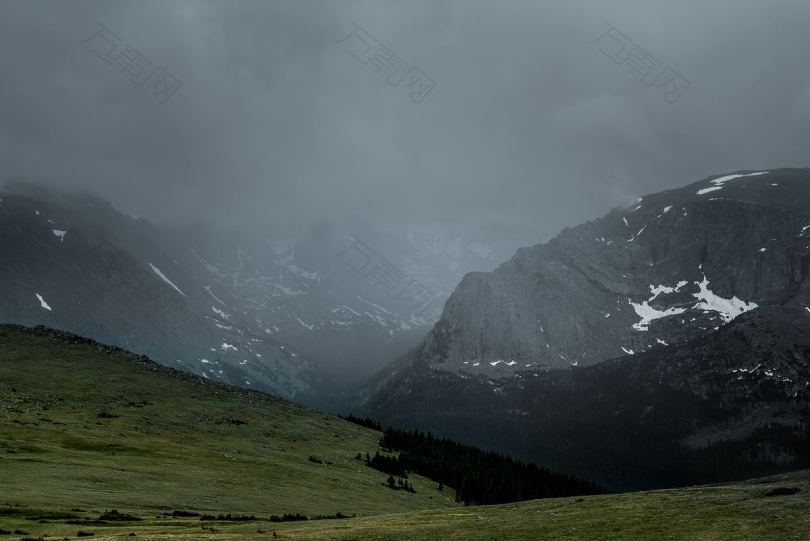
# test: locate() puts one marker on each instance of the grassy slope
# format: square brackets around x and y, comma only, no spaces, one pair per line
[172,445]
[735,513]
[176,452]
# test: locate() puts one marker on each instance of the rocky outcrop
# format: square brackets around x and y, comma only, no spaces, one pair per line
[674,265]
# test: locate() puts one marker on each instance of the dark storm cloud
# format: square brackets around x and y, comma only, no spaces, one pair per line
[275,124]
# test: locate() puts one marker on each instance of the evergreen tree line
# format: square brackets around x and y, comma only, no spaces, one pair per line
[478,477]
[392,466]
[363,421]
[386,463]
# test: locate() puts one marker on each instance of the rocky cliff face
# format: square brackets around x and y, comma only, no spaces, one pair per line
[674,265]
[663,344]
[727,405]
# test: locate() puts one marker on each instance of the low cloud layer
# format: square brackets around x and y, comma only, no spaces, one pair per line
[534,120]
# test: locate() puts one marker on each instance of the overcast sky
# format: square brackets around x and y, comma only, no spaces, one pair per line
[534,119]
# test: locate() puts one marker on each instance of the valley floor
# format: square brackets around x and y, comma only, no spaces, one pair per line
[757,510]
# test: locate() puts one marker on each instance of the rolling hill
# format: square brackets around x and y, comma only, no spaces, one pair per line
[98,442]
[85,425]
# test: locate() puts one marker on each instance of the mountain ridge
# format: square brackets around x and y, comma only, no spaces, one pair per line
[618,265]
[693,289]
[299,318]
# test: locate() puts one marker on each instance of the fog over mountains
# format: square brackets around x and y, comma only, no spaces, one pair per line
[577,234]
[297,317]
[673,330]
[275,126]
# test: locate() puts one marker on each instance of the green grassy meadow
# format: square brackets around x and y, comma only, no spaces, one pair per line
[84,430]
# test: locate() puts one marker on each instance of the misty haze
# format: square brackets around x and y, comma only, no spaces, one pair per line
[366,270]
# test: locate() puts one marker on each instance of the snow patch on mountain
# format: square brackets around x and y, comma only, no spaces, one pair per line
[308,326]
[657,290]
[708,301]
[60,234]
[165,279]
[208,289]
[496,363]
[727,308]
[720,181]
[44,305]
[220,313]
[648,314]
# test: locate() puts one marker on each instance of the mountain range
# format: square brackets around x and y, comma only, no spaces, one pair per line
[297,318]
[671,336]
